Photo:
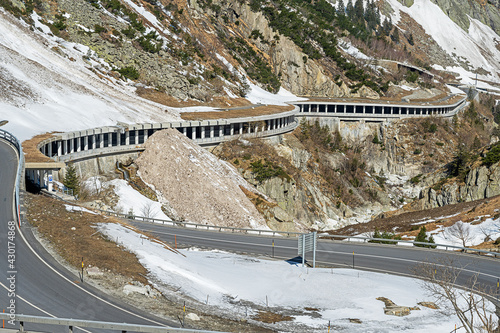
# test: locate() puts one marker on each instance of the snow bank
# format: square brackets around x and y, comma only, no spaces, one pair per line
[133,201]
[71,208]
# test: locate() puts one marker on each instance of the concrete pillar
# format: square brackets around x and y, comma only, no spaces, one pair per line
[241,129]
[184,131]
[101,140]
[71,145]
[78,144]
[231,129]
[49,180]
[59,148]
[364,109]
[193,133]
[203,132]
[50,149]
[212,133]
[86,143]
[127,138]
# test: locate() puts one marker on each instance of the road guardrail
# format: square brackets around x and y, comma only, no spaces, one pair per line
[20,168]
[291,234]
[73,323]
[361,239]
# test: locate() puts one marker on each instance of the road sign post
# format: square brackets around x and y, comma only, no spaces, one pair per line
[307,243]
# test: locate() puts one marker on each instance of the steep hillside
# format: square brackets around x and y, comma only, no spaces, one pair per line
[211,53]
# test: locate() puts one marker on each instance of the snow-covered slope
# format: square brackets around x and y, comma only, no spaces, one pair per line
[42,90]
[475,48]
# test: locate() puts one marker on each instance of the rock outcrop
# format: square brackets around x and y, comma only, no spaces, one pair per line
[481,182]
[194,185]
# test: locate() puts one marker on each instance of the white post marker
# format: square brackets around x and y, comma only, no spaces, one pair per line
[49,181]
[307,243]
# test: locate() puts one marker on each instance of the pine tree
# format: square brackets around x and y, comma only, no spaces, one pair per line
[350,9]
[71,179]
[340,7]
[422,236]
[395,36]
[410,39]
[359,11]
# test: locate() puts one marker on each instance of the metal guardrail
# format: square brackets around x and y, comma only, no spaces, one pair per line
[20,168]
[71,323]
[296,234]
[261,232]
[408,242]
[200,226]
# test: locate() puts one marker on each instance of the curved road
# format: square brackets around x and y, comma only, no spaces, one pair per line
[400,260]
[43,287]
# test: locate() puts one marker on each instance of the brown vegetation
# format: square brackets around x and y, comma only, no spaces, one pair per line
[31,153]
[162,98]
[271,317]
[253,111]
[55,224]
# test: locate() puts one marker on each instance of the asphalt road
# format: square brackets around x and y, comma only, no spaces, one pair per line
[399,260]
[42,287]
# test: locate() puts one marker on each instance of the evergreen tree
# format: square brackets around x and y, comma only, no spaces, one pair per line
[340,7]
[395,36]
[350,9]
[410,39]
[359,11]
[387,26]
[459,166]
[71,179]
[422,237]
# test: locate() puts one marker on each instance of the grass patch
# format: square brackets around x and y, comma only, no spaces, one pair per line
[270,317]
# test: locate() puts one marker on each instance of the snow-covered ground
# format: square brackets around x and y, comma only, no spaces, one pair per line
[477,46]
[129,199]
[258,95]
[238,285]
[472,234]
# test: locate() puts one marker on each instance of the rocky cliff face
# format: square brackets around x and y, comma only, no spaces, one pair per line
[481,182]
[459,11]
[367,174]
